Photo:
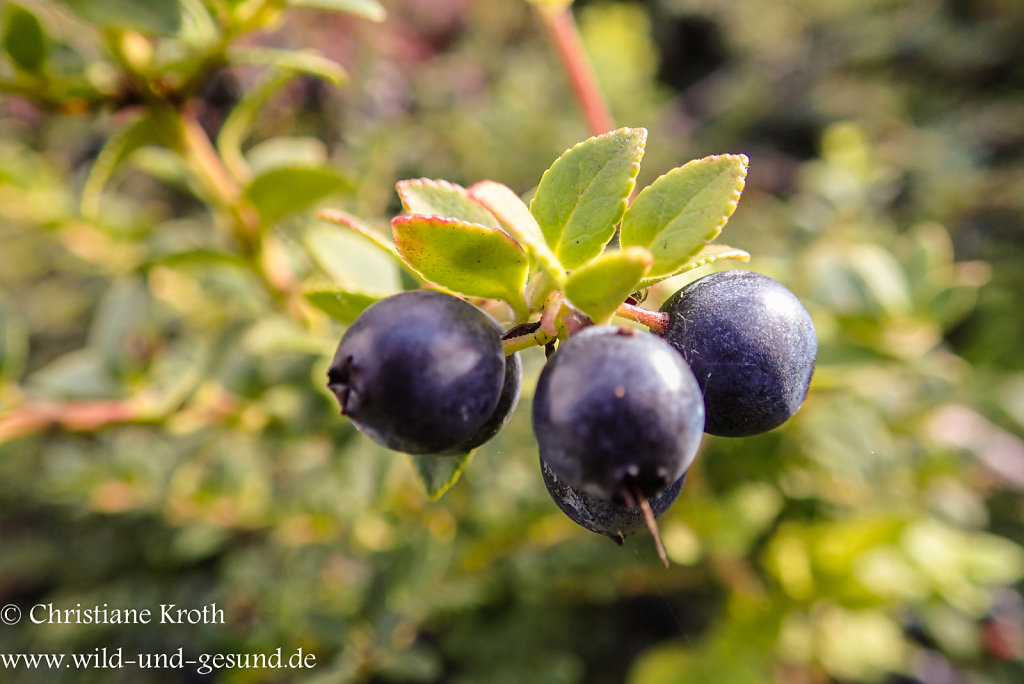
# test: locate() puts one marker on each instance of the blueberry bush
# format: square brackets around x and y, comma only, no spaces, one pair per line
[224,222]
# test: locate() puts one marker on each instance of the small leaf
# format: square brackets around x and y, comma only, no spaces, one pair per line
[292,60]
[239,122]
[125,140]
[349,221]
[367,9]
[583,195]
[440,198]
[439,473]
[709,255]
[285,190]
[24,39]
[148,16]
[680,212]
[465,257]
[599,287]
[277,152]
[515,218]
[342,305]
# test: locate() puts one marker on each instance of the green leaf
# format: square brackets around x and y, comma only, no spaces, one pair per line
[239,122]
[709,255]
[147,16]
[440,198]
[600,286]
[465,257]
[285,190]
[277,152]
[367,9]
[680,212]
[439,473]
[352,259]
[305,62]
[350,222]
[516,220]
[583,195]
[342,305]
[125,140]
[24,39]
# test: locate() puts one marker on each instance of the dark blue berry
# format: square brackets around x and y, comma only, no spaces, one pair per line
[610,518]
[502,412]
[617,414]
[422,372]
[750,343]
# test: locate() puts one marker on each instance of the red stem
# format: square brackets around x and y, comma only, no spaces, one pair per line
[657,321]
[561,26]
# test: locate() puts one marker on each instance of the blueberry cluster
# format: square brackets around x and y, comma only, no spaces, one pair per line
[618,413]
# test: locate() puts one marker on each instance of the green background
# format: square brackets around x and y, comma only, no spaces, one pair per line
[873,538]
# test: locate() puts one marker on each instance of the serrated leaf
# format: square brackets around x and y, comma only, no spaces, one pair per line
[464,257]
[439,473]
[292,60]
[125,140]
[683,210]
[342,305]
[583,196]
[148,16]
[24,39]
[428,197]
[599,287]
[367,9]
[285,190]
[709,255]
[515,218]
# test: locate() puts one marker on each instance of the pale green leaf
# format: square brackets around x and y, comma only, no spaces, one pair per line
[147,16]
[683,210]
[342,305]
[440,198]
[353,259]
[24,39]
[284,151]
[286,190]
[239,122]
[516,220]
[125,140]
[305,62]
[367,9]
[583,196]
[709,255]
[599,287]
[464,257]
[439,473]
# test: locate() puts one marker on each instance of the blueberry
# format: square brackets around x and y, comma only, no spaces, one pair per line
[502,412]
[423,372]
[750,343]
[617,413]
[610,518]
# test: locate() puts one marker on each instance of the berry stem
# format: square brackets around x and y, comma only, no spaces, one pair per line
[525,336]
[657,321]
[557,18]
[637,498]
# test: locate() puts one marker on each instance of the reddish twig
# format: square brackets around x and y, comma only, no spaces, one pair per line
[561,27]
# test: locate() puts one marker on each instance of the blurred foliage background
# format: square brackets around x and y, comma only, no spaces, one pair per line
[165,435]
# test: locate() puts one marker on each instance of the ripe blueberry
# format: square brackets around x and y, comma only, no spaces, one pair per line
[502,412]
[422,372]
[750,343]
[610,518]
[617,414]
